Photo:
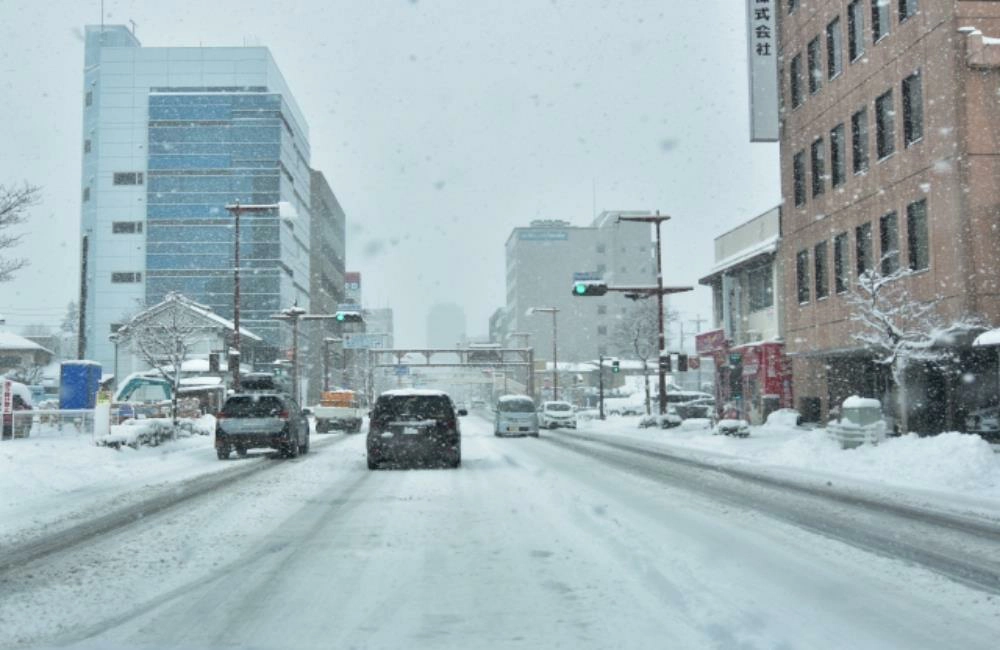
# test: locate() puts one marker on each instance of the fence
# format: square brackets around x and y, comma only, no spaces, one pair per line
[48,423]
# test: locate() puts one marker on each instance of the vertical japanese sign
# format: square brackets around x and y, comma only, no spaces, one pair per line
[762,42]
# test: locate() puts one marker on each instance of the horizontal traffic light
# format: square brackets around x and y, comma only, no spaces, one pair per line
[616,366]
[349,317]
[589,288]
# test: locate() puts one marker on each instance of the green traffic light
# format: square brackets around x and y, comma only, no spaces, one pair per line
[340,317]
[581,289]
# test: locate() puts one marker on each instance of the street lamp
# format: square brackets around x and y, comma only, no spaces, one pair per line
[114,338]
[555,339]
[293,315]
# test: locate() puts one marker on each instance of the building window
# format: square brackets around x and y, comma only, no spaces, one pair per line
[86,146]
[818,167]
[916,236]
[601,268]
[761,283]
[795,80]
[838,153]
[127,178]
[815,66]
[913,109]
[86,194]
[880,20]
[863,248]
[121,277]
[841,263]
[906,9]
[834,49]
[602,330]
[885,126]
[822,271]
[855,30]
[88,99]
[889,240]
[799,177]
[602,309]
[802,276]
[601,248]
[115,327]
[126,227]
[859,140]
[793,5]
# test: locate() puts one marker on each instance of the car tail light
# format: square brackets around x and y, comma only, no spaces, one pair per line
[283,415]
[220,416]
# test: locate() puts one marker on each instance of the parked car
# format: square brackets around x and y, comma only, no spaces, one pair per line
[553,415]
[668,420]
[985,422]
[699,408]
[252,420]
[731,427]
[414,426]
[516,416]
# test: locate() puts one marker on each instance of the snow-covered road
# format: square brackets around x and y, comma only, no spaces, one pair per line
[530,544]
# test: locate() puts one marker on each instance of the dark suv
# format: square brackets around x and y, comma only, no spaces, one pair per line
[249,420]
[414,427]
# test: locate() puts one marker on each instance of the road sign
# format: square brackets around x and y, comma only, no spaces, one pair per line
[364,341]
[401,371]
[583,276]
[348,306]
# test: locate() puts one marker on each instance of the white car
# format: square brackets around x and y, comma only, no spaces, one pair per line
[554,415]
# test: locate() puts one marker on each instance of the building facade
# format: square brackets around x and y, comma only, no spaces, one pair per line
[746,344]
[327,255]
[171,136]
[446,326]
[889,157]
[541,261]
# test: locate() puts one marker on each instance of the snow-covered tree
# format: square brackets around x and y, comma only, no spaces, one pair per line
[637,335]
[164,341]
[898,329]
[14,203]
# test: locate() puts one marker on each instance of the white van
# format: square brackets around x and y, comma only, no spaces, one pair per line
[516,416]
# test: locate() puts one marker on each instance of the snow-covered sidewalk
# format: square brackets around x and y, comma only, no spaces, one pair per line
[53,481]
[955,470]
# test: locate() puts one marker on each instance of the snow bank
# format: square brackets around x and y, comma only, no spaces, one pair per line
[953,464]
[153,431]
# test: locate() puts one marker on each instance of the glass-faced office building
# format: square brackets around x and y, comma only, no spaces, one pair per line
[171,136]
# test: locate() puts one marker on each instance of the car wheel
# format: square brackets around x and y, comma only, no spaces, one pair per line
[222,452]
[534,435]
[240,451]
[372,463]
[292,447]
[305,448]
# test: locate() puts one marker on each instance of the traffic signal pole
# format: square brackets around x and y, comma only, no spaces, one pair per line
[600,384]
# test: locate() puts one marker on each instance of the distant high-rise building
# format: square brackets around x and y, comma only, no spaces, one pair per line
[171,135]
[445,325]
[541,261]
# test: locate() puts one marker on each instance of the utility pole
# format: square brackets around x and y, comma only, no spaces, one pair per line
[555,345]
[660,290]
[697,321]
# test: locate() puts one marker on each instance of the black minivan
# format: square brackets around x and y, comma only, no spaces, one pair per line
[414,427]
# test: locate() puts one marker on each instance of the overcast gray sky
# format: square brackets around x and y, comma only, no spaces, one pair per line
[440,124]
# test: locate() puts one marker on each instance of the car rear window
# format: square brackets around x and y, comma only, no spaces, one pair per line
[413,407]
[558,407]
[252,406]
[516,406]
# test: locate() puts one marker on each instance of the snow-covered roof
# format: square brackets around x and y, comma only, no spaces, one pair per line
[763,247]
[514,398]
[201,381]
[409,392]
[199,309]
[991,337]
[855,402]
[14,342]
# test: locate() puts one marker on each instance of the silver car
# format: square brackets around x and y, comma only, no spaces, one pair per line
[516,416]
[249,420]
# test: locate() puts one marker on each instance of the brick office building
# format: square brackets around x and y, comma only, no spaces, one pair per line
[890,156]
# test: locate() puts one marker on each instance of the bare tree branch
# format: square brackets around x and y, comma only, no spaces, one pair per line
[14,203]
